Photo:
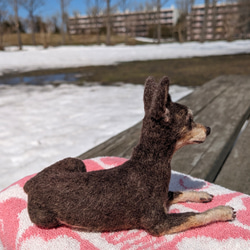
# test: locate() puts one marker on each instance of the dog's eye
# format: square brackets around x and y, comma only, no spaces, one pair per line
[190,121]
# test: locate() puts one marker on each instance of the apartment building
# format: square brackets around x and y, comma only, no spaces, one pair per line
[222,21]
[225,21]
[132,23]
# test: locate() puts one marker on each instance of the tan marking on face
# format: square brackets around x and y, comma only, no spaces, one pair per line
[194,136]
[190,113]
[166,115]
[198,133]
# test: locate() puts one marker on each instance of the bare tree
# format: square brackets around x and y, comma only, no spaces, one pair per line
[185,8]
[147,9]
[214,23]
[50,28]
[180,28]
[244,18]
[189,12]
[236,22]
[151,15]
[42,28]
[204,24]
[3,13]
[76,22]
[158,10]
[108,23]
[15,5]
[233,22]
[32,6]
[94,8]
[109,10]
[124,7]
[64,4]
[158,5]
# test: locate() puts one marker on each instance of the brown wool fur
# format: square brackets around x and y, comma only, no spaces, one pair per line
[133,195]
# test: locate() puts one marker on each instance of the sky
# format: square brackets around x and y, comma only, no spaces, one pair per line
[52,7]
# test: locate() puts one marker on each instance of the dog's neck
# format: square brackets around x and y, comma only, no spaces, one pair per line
[152,151]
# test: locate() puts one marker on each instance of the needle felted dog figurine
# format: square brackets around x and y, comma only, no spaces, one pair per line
[135,194]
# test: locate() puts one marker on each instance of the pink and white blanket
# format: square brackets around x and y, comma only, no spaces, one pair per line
[18,232]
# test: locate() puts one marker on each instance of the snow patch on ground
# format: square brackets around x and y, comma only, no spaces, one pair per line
[35,58]
[42,124]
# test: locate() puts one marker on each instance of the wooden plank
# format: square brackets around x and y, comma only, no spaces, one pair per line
[235,173]
[225,114]
[205,94]
[222,103]
[122,144]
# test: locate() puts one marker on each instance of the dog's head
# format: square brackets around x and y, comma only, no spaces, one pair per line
[166,122]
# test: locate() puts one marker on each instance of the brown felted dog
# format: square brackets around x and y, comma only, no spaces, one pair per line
[135,194]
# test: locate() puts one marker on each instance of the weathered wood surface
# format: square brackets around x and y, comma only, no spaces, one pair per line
[120,145]
[235,173]
[222,104]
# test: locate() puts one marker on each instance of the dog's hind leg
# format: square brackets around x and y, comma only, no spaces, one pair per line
[174,223]
[41,215]
[65,165]
[191,196]
[68,164]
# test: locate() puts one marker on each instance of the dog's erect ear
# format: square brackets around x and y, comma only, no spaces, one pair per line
[149,89]
[160,98]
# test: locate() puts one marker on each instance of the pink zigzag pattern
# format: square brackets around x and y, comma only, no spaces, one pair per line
[18,232]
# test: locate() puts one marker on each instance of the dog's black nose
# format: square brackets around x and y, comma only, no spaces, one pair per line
[208,131]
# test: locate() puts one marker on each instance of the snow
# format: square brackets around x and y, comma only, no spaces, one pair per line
[42,124]
[34,58]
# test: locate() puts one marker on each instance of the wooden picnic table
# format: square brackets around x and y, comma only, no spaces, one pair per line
[224,158]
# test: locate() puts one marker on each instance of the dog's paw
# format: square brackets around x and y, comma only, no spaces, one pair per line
[205,197]
[223,213]
[197,196]
[193,196]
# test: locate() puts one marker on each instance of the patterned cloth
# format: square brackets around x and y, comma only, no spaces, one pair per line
[18,232]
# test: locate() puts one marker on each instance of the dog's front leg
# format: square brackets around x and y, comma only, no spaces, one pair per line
[174,223]
[191,196]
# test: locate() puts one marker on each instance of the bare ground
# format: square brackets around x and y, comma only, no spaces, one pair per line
[186,72]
